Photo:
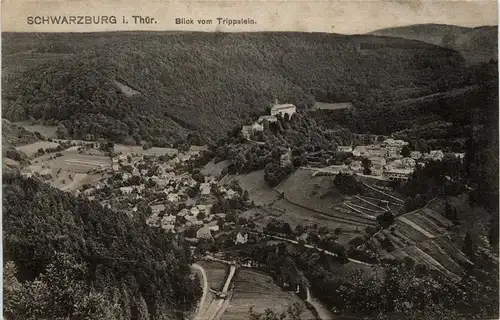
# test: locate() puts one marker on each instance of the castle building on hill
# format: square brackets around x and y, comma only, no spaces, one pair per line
[283,109]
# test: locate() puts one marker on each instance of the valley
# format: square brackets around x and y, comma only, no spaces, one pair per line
[263,176]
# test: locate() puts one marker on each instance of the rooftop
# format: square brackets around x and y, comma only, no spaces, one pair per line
[283,106]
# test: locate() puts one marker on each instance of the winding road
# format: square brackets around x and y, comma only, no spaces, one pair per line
[199,268]
[323,313]
[308,246]
[216,307]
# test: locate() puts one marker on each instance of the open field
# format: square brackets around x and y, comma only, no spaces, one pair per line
[255,288]
[120,148]
[312,191]
[332,106]
[31,149]
[71,170]
[256,186]
[296,215]
[216,273]
[214,169]
[47,131]
[317,194]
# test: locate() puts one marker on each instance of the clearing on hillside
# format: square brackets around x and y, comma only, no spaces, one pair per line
[155,151]
[214,169]
[255,288]
[47,131]
[312,197]
[31,149]
[70,171]
[256,186]
[332,106]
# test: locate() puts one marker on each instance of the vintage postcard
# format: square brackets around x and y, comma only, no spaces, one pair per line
[250,160]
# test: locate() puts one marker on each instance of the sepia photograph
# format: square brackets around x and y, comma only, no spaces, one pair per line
[250,160]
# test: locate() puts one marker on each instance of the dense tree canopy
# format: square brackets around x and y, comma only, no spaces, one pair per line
[70,257]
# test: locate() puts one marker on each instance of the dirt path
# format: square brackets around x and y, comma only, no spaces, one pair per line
[232,270]
[205,289]
[217,306]
[323,312]
[385,194]
[309,246]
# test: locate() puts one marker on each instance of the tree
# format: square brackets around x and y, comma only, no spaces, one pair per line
[62,132]
[268,314]
[385,219]
[405,151]
[246,196]
[468,246]
[421,146]
[366,166]
[409,205]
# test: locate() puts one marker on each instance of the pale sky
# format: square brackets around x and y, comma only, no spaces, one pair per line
[346,16]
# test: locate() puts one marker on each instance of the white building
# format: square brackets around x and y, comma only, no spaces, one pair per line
[173,197]
[267,118]
[408,162]
[240,238]
[184,212]
[377,161]
[126,190]
[360,151]
[167,222]
[394,143]
[205,188]
[157,208]
[415,155]
[230,194]
[257,127]
[204,233]
[356,166]
[214,228]
[126,176]
[194,211]
[247,131]
[344,148]
[286,158]
[398,174]
[436,155]
[283,109]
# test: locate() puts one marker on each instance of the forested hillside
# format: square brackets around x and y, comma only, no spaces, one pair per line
[16,135]
[13,136]
[158,86]
[442,116]
[476,44]
[69,258]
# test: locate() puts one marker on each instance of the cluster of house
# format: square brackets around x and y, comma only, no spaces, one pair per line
[386,159]
[258,126]
[174,184]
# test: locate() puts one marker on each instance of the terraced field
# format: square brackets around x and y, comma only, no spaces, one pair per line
[71,170]
[423,236]
[255,288]
[31,149]
[317,194]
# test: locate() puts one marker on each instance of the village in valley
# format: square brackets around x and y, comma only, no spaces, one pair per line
[187,193]
[241,175]
[193,195]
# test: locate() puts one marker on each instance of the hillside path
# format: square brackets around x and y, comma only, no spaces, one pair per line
[205,289]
